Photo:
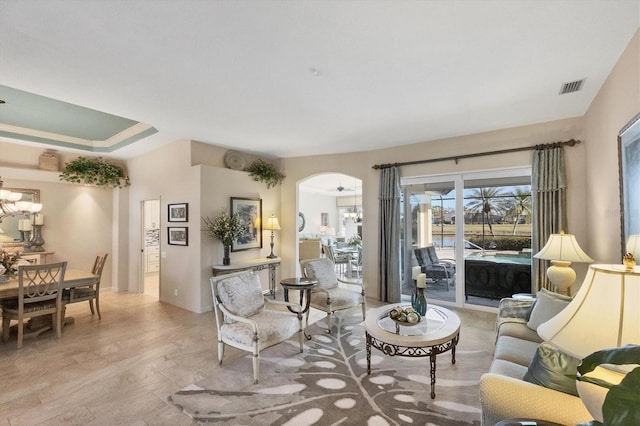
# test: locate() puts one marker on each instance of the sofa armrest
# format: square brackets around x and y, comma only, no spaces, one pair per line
[503,397]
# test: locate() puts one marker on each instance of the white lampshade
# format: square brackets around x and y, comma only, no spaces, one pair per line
[562,249]
[272,224]
[633,245]
[605,313]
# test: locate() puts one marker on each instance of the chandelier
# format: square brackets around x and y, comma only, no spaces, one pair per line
[10,204]
[354,213]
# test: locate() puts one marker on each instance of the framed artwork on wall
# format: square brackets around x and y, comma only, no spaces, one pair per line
[178,235]
[250,212]
[629,159]
[178,212]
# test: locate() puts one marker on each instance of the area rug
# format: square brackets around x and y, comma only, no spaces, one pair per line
[328,383]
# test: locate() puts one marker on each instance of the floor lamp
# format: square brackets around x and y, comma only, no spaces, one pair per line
[272,224]
[562,249]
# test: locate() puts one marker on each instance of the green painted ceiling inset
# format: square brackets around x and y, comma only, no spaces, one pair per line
[64,124]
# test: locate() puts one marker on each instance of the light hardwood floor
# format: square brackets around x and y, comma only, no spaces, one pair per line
[118,370]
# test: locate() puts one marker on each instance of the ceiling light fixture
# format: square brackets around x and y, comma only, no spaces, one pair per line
[10,204]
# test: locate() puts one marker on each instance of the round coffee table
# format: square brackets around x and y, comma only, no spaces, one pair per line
[304,285]
[438,332]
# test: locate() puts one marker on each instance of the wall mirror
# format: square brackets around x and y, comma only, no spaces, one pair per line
[10,236]
[629,159]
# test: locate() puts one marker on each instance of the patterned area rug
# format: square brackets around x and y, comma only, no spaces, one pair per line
[328,384]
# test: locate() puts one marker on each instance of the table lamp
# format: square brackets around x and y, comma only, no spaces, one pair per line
[604,313]
[272,224]
[562,249]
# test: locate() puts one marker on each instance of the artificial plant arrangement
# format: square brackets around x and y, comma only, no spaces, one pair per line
[95,171]
[9,262]
[263,171]
[226,228]
[355,241]
[622,404]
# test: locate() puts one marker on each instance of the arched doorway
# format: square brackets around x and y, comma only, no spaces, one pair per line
[331,213]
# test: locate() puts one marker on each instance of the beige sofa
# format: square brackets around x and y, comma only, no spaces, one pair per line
[503,392]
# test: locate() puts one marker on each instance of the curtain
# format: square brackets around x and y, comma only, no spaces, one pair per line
[389,235]
[549,193]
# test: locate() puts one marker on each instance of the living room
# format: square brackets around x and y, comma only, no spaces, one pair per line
[186,168]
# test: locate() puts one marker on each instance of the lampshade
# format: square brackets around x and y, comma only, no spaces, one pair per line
[633,245]
[272,224]
[563,247]
[604,313]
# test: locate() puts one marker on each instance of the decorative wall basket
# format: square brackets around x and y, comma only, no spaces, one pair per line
[49,160]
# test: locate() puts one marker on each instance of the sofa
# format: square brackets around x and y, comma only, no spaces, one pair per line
[526,373]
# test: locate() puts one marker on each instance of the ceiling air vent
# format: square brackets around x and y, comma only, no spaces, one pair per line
[573,86]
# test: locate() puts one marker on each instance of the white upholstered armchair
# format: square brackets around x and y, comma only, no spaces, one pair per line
[243,319]
[332,294]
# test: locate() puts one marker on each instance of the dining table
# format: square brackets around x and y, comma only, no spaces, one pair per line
[37,325]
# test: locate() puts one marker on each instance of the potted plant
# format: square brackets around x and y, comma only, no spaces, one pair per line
[95,171]
[226,228]
[621,404]
[355,241]
[263,171]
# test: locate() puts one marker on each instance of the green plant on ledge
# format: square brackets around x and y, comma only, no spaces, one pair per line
[263,171]
[94,171]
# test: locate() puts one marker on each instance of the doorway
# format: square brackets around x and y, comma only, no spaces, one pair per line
[151,248]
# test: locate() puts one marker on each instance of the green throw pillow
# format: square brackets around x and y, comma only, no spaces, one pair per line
[550,368]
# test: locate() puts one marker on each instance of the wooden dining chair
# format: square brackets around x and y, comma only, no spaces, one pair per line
[90,292]
[39,293]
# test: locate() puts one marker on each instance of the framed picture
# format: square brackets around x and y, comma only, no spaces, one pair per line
[629,158]
[179,212]
[250,211]
[178,235]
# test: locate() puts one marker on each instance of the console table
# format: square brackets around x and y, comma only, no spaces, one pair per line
[252,265]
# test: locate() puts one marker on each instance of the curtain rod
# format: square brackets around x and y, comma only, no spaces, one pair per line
[571,142]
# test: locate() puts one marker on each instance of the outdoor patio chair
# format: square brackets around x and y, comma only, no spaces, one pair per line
[437,271]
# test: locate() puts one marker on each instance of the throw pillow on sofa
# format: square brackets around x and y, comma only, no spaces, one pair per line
[547,305]
[553,369]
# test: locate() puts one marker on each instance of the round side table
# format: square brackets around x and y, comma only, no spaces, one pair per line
[304,286]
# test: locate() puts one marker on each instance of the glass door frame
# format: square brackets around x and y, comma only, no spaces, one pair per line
[458,179]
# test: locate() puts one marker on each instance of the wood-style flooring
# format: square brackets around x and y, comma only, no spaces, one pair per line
[115,371]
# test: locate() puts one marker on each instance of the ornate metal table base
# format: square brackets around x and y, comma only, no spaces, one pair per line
[431,351]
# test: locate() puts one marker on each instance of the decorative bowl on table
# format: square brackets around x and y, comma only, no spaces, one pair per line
[405,316]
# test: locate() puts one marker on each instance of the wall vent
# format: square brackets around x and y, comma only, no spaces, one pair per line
[573,86]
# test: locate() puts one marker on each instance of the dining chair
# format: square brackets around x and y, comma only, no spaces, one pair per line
[340,261]
[90,292]
[332,294]
[39,293]
[356,264]
[245,318]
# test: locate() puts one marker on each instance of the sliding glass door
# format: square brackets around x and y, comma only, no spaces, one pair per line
[470,234]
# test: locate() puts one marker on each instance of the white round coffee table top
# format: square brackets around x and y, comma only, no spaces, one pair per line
[439,325]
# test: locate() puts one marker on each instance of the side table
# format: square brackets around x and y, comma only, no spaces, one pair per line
[304,286]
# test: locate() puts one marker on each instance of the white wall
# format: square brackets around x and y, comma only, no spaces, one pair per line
[311,205]
[617,102]
[194,175]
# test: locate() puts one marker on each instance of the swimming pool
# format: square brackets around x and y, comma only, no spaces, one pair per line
[516,258]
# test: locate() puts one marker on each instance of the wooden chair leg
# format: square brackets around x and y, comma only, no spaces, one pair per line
[93,312]
[6,328]
[20,332]
[98,307]
[220,351]
[256,367]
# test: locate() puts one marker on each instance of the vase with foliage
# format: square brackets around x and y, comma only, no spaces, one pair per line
[95,171]
[355,241]
[8,264]
[226,228]
[263,171]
